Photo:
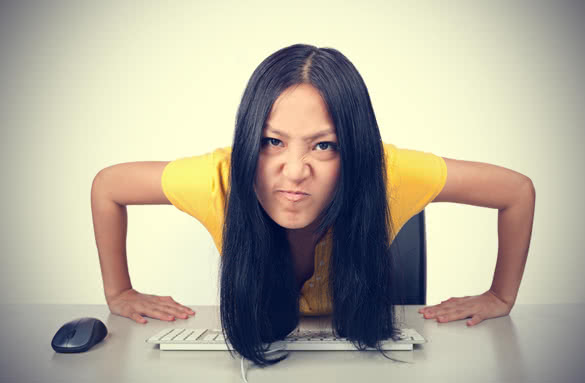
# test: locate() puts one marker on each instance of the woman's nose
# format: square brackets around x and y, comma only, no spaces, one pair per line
[296,167]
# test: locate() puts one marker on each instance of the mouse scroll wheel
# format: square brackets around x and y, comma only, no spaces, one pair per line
[71,334]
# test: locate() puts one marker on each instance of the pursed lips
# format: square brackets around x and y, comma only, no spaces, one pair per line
[293,197]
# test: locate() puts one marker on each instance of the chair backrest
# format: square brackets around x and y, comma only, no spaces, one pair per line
[411,261]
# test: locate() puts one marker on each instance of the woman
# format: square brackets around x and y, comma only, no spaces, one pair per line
[302,208]
[269,237]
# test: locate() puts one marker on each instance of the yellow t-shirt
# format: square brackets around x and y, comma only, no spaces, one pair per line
[198,186]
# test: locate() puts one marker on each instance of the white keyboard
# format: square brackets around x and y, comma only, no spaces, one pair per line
[299,340]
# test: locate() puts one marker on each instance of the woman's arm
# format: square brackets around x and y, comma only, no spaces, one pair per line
[514,195]
[134,183]
[514,232]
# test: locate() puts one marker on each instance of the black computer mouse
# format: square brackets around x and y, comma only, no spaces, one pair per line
[79,335]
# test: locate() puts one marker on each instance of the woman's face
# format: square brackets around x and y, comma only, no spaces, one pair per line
[291,159]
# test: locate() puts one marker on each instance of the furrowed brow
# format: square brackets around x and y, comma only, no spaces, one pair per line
[312,137]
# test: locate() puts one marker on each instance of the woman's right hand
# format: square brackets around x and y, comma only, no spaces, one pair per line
[132,304]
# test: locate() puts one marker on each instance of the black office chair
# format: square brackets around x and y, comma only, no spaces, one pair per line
[411,270]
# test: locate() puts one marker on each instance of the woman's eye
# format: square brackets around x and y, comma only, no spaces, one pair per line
[321,145]
[270,140]
[329,144]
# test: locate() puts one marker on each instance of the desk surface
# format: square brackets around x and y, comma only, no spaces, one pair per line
[535,343]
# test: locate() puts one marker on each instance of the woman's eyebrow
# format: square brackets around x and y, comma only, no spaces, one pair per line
[316,135]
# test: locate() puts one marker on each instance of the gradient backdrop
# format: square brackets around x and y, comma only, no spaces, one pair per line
[87,85]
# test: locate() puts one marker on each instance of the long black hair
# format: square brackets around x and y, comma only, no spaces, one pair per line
[259,296]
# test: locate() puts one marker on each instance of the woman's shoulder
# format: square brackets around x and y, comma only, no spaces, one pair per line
[223,152]
[390,152]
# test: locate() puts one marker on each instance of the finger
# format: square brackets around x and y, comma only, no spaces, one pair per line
[435,311]
[181,308]
[168,299]
[157,313]
[475,319]
[185,309]
[441,310]
[177,311]
[427,309]
[137,317]
[170,302]
[454,314]
[428,314]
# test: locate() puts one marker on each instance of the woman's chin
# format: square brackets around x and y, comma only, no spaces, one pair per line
[293,223]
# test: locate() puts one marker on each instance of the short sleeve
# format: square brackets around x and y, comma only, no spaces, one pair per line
[415,178]
[197,185]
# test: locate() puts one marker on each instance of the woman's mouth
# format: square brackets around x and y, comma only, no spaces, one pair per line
[293,197]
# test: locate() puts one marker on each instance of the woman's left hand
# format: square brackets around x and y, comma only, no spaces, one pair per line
[479,307]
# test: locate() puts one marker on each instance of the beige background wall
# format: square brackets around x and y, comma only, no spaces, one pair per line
[85,86]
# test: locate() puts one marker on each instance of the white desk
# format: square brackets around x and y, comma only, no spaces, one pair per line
[535,343]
